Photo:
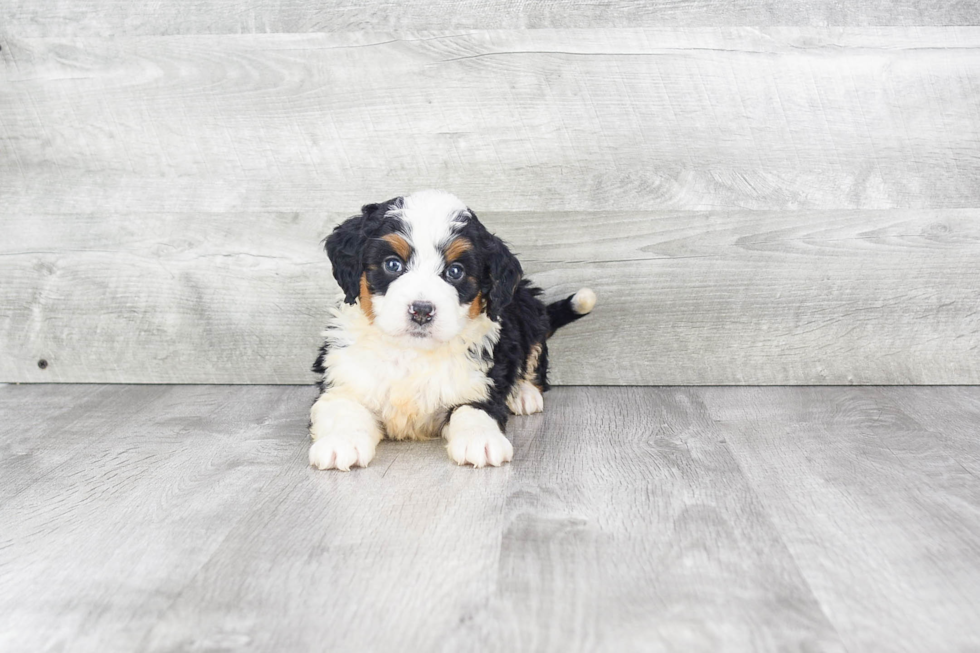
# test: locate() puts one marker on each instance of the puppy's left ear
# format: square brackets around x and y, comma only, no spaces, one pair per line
[345,247]
[504,273]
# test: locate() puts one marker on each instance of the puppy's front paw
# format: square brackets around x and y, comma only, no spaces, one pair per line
[475,439]
[344,433]
[340,452]
[526,399]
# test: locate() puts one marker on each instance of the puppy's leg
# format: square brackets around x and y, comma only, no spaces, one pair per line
[525,395]
[475,438]
[525,399]
[344,433]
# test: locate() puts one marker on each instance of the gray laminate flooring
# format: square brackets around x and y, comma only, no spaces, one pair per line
[185,518]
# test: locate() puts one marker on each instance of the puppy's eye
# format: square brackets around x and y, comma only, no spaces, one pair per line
[393,265]
[454,272]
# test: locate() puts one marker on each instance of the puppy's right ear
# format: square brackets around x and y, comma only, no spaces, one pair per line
[345,249]
[345,246]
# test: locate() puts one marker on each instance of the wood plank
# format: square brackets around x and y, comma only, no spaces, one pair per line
[953,431]
[617,130]
[94,551]
[622,524]
[511,120]
[42,18]
[30,416]
[721,297]
[631,519]
[385,558]
[631,528]
[874,503]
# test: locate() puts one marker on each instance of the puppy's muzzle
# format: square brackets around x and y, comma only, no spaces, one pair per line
[422,312]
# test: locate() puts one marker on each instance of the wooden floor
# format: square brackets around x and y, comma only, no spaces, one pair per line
[185,518]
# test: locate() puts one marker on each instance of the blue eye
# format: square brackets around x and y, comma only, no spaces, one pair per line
[393,265]
[454,272]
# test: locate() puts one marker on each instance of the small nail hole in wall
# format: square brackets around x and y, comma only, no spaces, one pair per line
[43,364]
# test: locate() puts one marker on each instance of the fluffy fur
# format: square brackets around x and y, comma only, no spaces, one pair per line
[438,334]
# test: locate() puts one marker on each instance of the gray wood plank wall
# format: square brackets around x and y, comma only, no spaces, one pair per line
[150,17]
[753,205]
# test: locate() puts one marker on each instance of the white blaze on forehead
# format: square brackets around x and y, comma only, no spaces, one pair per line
[431,218]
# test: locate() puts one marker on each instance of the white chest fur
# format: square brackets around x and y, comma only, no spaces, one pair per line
[408,389]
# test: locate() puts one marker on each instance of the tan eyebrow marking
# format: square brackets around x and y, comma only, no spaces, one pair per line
[456,249]
[399,244]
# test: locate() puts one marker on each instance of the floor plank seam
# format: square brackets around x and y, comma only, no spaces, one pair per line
[769,513]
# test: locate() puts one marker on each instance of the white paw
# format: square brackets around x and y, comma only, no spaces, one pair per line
[526,399]
[475,439]
[342,451]
[344,433]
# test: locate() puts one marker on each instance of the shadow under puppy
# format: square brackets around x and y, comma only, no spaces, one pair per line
[438,334]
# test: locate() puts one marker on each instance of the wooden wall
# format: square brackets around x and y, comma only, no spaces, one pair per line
[753,204]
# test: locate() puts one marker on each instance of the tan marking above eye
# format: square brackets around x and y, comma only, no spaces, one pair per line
[399,244]
[456,249]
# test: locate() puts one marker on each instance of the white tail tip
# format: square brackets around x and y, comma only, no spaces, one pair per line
[583,301]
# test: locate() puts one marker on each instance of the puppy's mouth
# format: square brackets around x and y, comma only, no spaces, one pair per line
[419,332]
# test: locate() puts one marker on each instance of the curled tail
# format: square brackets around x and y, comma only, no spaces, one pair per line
[570,309]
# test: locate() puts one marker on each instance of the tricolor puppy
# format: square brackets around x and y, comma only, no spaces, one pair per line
[438,334]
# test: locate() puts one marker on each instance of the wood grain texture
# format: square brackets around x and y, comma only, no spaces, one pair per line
[143,487]
[876,499]
[629,527]
[41,18]
[757,206]
[624,523]
[632,519]
[62,411]
[741,297]
[538,120]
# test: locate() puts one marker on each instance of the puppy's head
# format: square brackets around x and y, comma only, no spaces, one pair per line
[422,266]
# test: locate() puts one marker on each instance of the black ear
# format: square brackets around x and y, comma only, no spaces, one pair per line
[345,248]
[504,273]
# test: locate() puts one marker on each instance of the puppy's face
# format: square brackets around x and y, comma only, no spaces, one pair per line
[422,266]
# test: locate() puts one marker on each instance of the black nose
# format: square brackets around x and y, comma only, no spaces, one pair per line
[422,312]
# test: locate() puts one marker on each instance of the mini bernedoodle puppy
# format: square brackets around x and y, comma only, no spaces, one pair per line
[438,334]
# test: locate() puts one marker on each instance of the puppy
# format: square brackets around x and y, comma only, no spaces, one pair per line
[438,334]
